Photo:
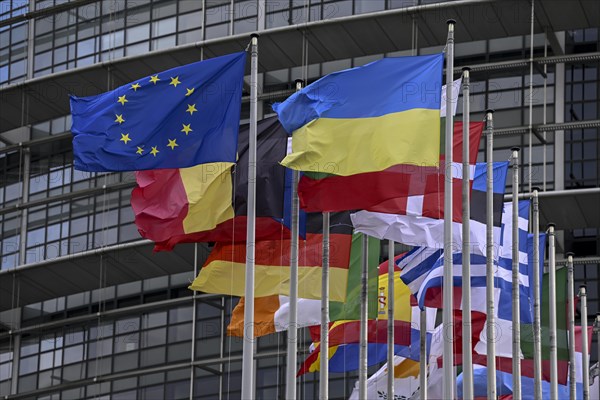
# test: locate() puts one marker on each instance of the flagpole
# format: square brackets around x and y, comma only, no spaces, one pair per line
[248,346]
[516,304]
[597,330]
[537,325]
[571,316]
[423,355]
[552,301]
[390,321]
[489,260]
[364,315]
[324,367]
[449,381]
[585,362]
[292,331]
[467,358]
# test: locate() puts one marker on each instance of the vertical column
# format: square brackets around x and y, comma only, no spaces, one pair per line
[537,318]
[489,260]
[390,321]
[292,344]
[248,346]
[16,343]
[449,381]
[552,301]
[24,199]
[423,365]
[571,321]
[559,116]
[364,315]
[194,318]
[516,304]
[324,370]
[585,362]
[467,357]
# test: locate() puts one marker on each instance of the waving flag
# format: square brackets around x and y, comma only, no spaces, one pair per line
[368,118]
[271,314]
[227,262]
[400,189]
[207,203]
[178,118]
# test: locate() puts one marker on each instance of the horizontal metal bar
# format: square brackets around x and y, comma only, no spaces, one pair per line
[68,196]
[562,126]
[140,308]
[71,257]
[555,193]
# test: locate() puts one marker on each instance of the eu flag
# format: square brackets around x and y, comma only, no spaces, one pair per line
[178,118]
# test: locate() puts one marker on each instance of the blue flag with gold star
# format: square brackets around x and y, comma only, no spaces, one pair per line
[178,118]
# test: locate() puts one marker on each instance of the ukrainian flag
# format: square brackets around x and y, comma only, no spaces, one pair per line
[367,119]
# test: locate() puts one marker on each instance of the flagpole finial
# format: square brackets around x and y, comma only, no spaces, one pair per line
[299,81]
[517,149]
[489,111]
[451,21]
[535,189]
[551,225]
[570,254]
[254,35]
[466,69]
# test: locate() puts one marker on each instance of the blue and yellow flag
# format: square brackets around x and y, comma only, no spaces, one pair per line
[367,119]
[178,118]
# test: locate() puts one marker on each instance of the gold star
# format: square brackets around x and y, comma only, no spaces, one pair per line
[136,86]
[119,118]
[189,91]
[122,100]
[191,109]
[175,81]
[125,138]
[172,144]
[154,151]
[187,129]
[140,150]
[154,79]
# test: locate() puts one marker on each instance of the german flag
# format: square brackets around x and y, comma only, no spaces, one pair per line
[227,263]
[208,202]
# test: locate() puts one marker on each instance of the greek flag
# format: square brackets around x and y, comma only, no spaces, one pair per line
[422,267]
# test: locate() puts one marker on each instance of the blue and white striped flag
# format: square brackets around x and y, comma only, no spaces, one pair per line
[422,267]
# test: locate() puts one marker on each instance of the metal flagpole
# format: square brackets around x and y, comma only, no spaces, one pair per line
[390,322]
[248,347]
[537,318]
[585,362]
[598,347]
[571,316]
[489,260]
[292,331]
[423,365]
[552,301]
[364,315]
[324,367]
[530,99]
[467,357]
[516,311]
[449,381]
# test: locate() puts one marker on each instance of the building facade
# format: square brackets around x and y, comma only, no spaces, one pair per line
[88,311]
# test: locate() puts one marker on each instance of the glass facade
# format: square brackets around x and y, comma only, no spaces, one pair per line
[149,338]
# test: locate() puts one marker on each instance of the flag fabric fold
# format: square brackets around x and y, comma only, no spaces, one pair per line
[208,202]
[178,118]
[390,107]
[406,189]
[227,262]
[271,314]
[428,233]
